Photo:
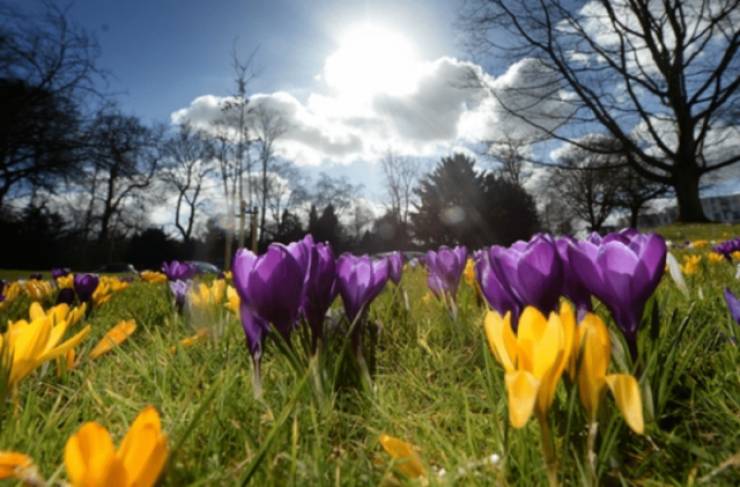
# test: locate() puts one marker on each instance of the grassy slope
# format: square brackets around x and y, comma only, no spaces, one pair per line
[435,385]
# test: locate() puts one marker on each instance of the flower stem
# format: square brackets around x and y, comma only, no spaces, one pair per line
[593,429]
[256,379]
[548,451]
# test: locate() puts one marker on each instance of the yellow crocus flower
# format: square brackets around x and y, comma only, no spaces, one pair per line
[65,281]
[408,461]
[232,300]
[60,312]
[533,359]
[204,296]
[469,273]
[12,464]
[691,264]
[91,459]
[153,276]
[592,375]
[715,258]
[37,290]
[114,337]
[735,255]
[30,344]
[699,244]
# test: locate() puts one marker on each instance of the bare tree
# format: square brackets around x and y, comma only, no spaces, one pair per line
[234,155]
[335,191]
[401,175]
[47,73]
[187,164]
[510,155]
[270,125]
[587,181]
[125,157]
[660,77]
[635,192]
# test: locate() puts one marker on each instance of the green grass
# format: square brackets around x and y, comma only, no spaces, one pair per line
[680,232]
[435,384]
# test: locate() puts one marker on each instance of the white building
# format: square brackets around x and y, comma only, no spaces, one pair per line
[725,209]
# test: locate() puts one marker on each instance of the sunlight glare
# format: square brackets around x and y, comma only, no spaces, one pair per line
[372,60]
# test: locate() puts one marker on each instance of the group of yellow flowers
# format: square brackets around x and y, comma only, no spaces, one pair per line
[691,263]
[534,359]
[90,457]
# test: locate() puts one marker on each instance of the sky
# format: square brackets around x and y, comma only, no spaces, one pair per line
[351,78]
[161,55]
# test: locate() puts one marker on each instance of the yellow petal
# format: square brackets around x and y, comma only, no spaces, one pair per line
[501,338]
[11,463]
[521,388]
[552,340]
[540,341]
[409,462]
[63,348]
[144,449]
[594,362]
[537,342]
[115,336]
[626,393]
[90,458]
[36,311]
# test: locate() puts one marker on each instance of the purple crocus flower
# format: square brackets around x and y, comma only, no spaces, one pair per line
[733,304]
[255,328]
[395,267]
[58,272]
[321,289]
[302,252]
[360,280]
[727,247]
[179,289]
[66,295]
[498,296]
[532,271]
[572,287]
[85,285]
[271,285]
[2,290]
[178,271]
[622,275]
[444,269]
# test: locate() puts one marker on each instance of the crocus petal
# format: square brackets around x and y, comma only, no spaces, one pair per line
[594,362]
[90,458]
[144,449]
[733,304]
[521,388]
[408,461]
[501,339]
[12,463]
[626,393]
[114,337]
[255,330]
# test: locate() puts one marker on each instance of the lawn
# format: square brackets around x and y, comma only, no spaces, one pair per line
[435,384]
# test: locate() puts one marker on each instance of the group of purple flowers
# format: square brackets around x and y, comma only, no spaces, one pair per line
[299,281]
[83,286]
[727,247]
[621,269]
[179,276]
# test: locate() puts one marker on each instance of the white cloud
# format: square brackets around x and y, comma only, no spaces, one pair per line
[449,103]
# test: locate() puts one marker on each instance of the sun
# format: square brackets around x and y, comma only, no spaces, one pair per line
[371,60]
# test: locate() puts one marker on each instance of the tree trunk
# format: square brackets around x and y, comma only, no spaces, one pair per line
[686,186]
[634,216]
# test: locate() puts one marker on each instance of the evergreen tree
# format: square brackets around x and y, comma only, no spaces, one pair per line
[460,205]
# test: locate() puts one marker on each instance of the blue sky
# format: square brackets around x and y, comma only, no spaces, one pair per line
[163,53]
